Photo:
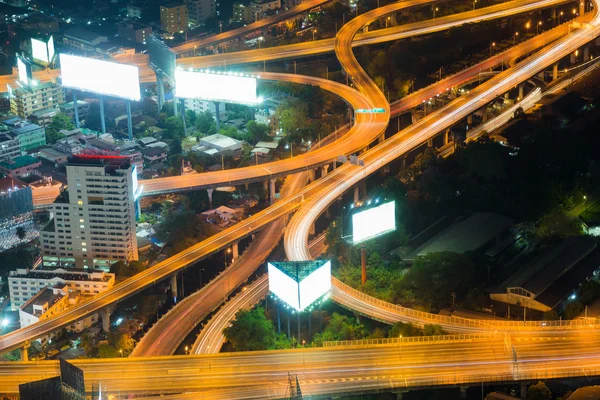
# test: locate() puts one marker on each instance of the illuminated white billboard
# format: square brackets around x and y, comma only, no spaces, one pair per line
[373,222]
[24,71]
[41,50]
[101,77]
[228,88]
[300,283]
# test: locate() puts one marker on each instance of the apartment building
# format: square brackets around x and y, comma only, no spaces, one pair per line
[27,99]
[23,283]
[201,10]
[94,218]
[174,17]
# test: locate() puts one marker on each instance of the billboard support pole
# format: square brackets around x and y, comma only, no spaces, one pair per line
[217,116]
[174,104]
[76,109]
[129,123]
[160,91]
[183,118]
[102,121]
[363,263]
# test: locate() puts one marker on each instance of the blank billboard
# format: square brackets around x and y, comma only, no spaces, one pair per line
[24,70]
[50,49]
[39,50]
[101,77]
[299,283]
[161,56]
[373,222]
[228,88]
[72,376]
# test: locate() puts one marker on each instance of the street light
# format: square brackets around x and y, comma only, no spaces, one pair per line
[434,11]
[491,47]
[221,26]
[289,146]
[260,39]
[528,25]
[186,350]
[560,15]
[585,199]
[313,32]
[574,11]
[516,34]
[537,28]
[121,352]
[387,20]
[474,2]
[227,252]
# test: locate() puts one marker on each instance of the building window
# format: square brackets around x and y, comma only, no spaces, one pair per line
[80,202]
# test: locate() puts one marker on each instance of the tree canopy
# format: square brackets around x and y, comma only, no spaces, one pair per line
[251,331]
[59,122]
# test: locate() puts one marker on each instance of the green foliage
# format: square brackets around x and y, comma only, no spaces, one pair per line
[340,327]
[182,229]
[589,291]
[433,330]
[105,350]
[436,275]
[123,270]
[573,309]
[251,331]
[174,129]
[59,122]
[539,391]
[205,123]
[20,232]
[402,329]
[257,132]
[190,117]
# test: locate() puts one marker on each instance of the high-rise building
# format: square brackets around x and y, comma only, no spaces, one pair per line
[201,10]
[94,218]
[27,99]
[174,17]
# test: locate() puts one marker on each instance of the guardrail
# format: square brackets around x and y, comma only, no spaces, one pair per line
[414,340]
[426,318]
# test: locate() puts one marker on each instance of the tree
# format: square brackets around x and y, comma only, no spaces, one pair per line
[105,350]
[190,116]
[257,132]
[573,309]
[59,122]
[93,119]
[174,128]
[539,391]
[205,121]
[436,275]
[551,315]
[251,331]
[175,147]
[433,330]
[403,329]
[121,342]
[20,232]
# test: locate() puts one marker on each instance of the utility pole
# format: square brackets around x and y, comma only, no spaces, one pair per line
[453,298]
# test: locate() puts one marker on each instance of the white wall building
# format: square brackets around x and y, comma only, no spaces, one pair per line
[201,10]
[93,222]
[26,100]
[23,284]
[200,106]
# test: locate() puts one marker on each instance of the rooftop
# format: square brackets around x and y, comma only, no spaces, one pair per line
[69,105]
[19,162]
[25,127]
[173,4]
[9,183]
[82,34]
[64,274]
[221,141]
[44,296]
[586,393]
[547,268]
[101,144]
[466,235]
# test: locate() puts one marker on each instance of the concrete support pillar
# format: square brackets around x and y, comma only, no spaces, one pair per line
[403,162]
[555,71]
[586,53]
[24,353]
[160,91]
[311,175]
[76,110]
[470,119]
[463,392]
[366,28]
[572,58]
[174,290]
[217,116]
[235,250]
[129,122]
[324,170]
[363,188]
[272,190]
[381,138]
[210,193]
[102,121]
[507,95]
[484,113]
[356,195]
[429,142]
[312,229]
[174,104]
[523,390]
[447,136]
[521,87]
[393,21]
[183,118]
[105,315]
[553,13]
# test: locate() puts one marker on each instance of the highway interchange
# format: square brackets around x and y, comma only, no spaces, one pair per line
[309,202]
